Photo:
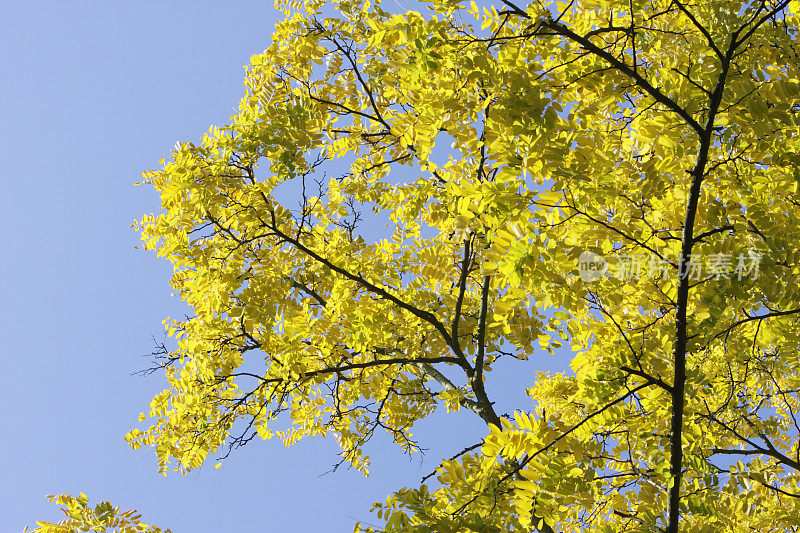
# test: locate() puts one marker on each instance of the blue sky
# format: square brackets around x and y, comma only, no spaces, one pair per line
[91,94]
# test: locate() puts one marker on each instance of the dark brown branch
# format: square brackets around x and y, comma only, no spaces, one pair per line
[647,377]
[708,233]
[422,314]
[453,458]
[751,318]
[682,301]
[308,290]
[780,7]
[482,329]
[519,466]
[788,461]
[350,366]
[623,68]
[462,288]
[702,29]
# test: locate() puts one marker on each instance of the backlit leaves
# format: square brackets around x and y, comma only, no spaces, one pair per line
[402,200]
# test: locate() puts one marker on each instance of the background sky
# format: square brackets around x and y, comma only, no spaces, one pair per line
[92,94]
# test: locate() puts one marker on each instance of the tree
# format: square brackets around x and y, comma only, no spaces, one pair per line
[81,517]
[621,175]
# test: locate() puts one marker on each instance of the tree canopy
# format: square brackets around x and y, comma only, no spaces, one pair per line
[616,178]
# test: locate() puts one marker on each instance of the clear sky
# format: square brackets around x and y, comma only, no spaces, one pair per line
[91,94]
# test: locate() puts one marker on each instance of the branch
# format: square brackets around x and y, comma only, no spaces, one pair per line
[682,301]
[582,422]
[702,29]
[453,458]
[462,288]
[564,31]
[634,240]
[769,451]
[647,377]
[780,7]
[422,314]
[351,366]
[308,290]
[750,318]
[447,385]
[482,329]
[711,232]
[515,472]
